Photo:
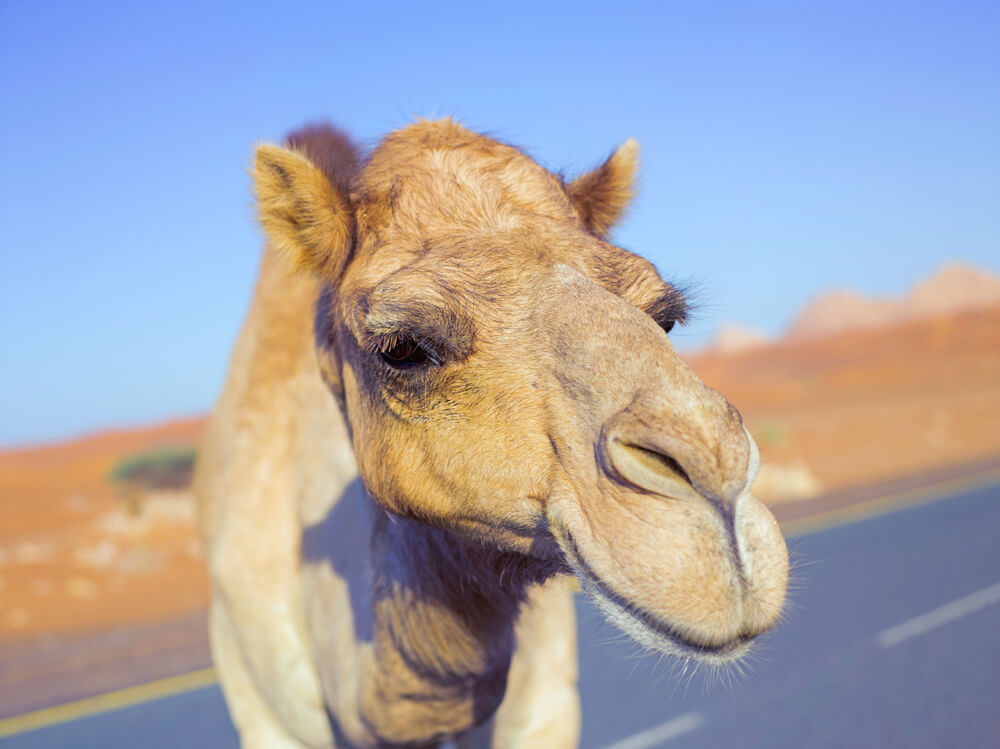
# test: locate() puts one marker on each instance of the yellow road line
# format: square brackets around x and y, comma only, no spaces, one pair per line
[915,497]
[103,703]
[155,690]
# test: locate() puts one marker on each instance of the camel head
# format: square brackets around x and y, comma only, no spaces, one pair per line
[506,373]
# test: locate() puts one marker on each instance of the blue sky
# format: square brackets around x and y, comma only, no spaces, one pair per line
[787,148]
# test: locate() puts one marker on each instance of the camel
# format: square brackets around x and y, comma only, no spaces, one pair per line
[451,396]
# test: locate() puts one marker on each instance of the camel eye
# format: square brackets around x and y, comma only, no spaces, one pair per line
[668,325]
[402,352]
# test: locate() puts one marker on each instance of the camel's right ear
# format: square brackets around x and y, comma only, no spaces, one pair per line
[307,218]
[601,196]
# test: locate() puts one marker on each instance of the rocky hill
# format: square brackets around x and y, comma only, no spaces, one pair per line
[952,289]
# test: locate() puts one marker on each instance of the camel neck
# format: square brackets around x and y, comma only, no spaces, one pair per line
[444,614]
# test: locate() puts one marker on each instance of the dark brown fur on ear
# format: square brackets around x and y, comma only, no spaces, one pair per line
[329,149]
[602,195]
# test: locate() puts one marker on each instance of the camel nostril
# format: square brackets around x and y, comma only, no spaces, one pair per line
[659,462]
[647,468]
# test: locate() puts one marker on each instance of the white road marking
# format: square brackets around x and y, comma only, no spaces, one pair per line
[661,733]
[939,616]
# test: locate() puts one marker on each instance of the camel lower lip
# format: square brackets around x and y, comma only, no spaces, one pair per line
[597,587]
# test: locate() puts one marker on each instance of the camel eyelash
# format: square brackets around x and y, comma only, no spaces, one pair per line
[668,309]
[378,343]
[402,350]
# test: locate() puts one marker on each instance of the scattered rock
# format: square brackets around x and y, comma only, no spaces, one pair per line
[121,522]
[16,618]
[33,552]
[173,508]
[81,587]
[783,482]
[141,561]
[170,507]
[99,556]
[78,504]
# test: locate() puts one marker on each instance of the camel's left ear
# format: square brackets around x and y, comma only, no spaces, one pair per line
[601,196]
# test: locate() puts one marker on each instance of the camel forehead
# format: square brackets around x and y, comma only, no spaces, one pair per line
[454,209]
[439,177]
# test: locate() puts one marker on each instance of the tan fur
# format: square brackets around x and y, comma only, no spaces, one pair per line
[304,215]
[388,542]
[601,196]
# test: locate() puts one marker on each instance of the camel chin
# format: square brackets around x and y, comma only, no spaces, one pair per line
[686,581]
[658,636]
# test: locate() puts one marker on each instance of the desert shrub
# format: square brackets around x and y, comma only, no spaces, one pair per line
[161,468]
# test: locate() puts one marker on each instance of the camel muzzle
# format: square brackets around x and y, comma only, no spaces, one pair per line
[674,548]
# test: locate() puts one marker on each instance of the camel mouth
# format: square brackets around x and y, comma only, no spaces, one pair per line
[644,627]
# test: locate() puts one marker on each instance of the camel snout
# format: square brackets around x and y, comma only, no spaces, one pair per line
[723,555]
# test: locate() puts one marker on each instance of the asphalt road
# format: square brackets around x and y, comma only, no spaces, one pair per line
[893,641]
